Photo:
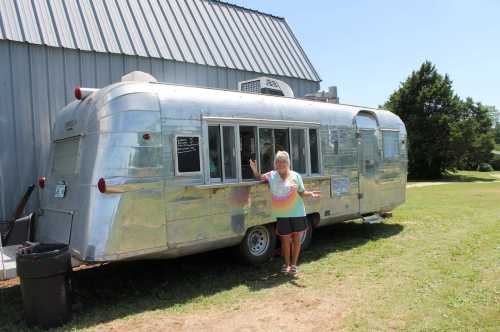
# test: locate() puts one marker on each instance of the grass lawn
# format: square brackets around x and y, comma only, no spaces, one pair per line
[434,266]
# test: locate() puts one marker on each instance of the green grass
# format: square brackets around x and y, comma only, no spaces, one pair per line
[497,147]
[434,266]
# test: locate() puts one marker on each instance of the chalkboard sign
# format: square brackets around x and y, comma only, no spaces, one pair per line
[188,154]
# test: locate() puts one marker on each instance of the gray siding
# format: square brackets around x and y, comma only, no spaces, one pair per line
[37,81]
[205,32]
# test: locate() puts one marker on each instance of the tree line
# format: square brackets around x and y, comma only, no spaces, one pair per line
[445,132]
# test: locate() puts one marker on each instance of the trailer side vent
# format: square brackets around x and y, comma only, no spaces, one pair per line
[267,86]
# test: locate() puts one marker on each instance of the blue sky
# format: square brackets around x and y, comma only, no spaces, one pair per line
[367,48]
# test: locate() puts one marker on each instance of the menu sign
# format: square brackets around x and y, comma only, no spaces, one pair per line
[188,154]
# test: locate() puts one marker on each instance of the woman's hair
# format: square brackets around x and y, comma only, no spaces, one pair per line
[282,155]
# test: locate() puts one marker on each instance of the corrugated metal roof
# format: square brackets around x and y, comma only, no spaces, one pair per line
[206,32]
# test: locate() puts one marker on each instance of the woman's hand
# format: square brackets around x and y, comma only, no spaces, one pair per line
[316,194]
[312,194]
[253,166]
[255,171]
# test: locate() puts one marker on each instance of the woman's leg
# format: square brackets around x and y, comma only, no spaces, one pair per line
[285,248]
[295,247]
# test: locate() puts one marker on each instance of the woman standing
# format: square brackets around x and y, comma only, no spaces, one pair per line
[287,206]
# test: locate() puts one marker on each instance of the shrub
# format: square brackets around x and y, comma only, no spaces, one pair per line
[484,167]
[495,163]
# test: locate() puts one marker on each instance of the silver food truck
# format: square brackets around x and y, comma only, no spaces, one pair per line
[145,170]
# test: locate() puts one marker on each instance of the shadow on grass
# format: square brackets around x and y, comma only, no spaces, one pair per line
[457,177]
[117,290]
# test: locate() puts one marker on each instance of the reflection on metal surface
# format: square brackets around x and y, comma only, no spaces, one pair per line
[148,211]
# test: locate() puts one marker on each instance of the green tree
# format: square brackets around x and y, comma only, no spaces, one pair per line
[430,109]
[497,134]
[473,136]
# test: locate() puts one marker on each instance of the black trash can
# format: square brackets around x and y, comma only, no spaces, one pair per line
[45,271]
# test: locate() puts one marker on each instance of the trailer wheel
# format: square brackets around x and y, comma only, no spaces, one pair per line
[258,244]
[306,236]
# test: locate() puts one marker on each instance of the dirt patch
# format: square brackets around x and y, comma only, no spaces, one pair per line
[281,310]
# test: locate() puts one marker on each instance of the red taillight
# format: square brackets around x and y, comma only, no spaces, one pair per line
[78,92]
[101,185]
[41,182]
[146,136]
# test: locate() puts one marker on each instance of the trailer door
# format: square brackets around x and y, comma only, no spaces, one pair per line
[368,162]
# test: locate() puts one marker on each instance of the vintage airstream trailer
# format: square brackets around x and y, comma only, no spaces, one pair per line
[143,170]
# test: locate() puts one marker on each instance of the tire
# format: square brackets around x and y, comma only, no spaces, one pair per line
[306,237]
[257,245]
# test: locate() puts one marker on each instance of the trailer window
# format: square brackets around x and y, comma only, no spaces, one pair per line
[215,160]
[229,152]
[66,156]
[391,144]
[188,160]
[248,150]
[266,150]
[298,150]
[281,140]
[313,150]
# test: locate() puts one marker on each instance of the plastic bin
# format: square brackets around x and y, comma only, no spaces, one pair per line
[44,270]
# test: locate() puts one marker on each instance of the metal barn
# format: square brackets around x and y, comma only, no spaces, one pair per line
[49,47]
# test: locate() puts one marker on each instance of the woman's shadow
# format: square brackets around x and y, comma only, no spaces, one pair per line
[113,291]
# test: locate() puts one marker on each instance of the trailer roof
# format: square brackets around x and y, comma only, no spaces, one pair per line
[205,32]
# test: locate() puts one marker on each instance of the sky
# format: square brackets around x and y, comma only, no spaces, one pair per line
[367,48]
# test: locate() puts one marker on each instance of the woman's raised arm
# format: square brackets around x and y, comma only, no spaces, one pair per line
[255,171]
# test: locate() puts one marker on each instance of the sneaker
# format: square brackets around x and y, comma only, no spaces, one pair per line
[285,268]
[294,269]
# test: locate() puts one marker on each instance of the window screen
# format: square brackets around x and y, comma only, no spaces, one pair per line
[248,150]
[313,148]
[298,150]
[215,161]
[229,152]
[266,150]
[391,144]
[281,140]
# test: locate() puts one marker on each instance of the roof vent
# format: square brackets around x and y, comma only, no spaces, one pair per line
[138,76]
[267,86]
[329,96]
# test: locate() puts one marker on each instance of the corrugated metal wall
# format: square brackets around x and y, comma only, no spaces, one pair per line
[37,81]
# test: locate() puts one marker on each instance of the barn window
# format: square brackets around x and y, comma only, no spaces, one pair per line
[188,155]
[391,144]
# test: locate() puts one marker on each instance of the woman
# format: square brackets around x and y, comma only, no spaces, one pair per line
[287,205]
